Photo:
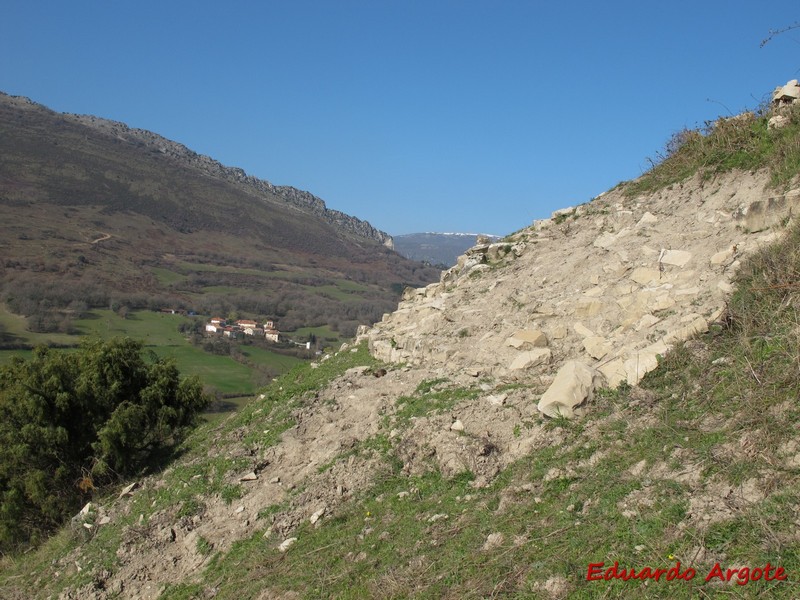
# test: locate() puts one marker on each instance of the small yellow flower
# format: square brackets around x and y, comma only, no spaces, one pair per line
[671,557]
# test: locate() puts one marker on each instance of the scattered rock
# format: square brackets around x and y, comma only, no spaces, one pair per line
[493,540]
[497,399]
[457,425]
[286,544]
[678,258]
[572,386]
[531,358]
[317,515]
[528,338]
[596,346]
[128,490]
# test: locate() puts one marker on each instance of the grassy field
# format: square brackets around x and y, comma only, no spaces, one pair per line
[167,277]
[159,332]
[15,327]
[155,329]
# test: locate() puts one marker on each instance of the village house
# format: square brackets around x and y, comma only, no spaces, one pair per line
[219,325]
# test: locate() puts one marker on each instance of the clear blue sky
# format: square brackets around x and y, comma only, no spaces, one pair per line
[429,115]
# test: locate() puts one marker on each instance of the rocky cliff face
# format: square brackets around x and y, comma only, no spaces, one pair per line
[206,165]
[600,290]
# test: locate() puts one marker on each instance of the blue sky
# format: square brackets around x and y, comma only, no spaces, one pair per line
[434,115]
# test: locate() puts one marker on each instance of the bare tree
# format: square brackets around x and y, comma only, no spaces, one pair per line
[774,32]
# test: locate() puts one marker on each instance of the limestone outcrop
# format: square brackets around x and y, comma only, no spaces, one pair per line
[613,284]
[783,97]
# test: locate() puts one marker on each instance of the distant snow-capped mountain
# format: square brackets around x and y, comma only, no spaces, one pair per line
[439,249]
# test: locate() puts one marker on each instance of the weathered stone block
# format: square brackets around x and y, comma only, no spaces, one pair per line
[588,308]
[645,275]
[572,386]
[643,361]
[614,372]
[596,346]
[677,258]
[646,220]
[528,338]
[722,257]
[531,358]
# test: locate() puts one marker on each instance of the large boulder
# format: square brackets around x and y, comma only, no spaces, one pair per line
[572,386]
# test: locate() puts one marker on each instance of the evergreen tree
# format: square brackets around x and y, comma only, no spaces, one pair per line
[70,422]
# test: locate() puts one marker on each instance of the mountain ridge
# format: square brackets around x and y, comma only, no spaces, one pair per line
[94,211]
[301,199]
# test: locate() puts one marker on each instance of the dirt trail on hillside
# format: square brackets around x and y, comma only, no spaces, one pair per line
[102,238]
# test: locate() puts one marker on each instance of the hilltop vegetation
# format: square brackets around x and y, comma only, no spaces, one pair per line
[744,142]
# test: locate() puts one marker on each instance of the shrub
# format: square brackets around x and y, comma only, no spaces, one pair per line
[70,422]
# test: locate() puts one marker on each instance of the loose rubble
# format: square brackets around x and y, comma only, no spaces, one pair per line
[610,285]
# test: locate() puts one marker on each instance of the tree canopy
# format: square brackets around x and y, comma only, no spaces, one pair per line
[73,421]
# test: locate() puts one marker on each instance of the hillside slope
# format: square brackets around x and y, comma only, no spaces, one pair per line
[430,469]
[92,210]
[614,283]
[321,452]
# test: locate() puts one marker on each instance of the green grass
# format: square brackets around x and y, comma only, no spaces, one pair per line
[335,292]
[16,326]
[166,276]
[211,268]
[223,289]
[159,332]
[262,356]
[431,396]
[322,332]
[221,372]
[7,355]
[153,328]
[351,286]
